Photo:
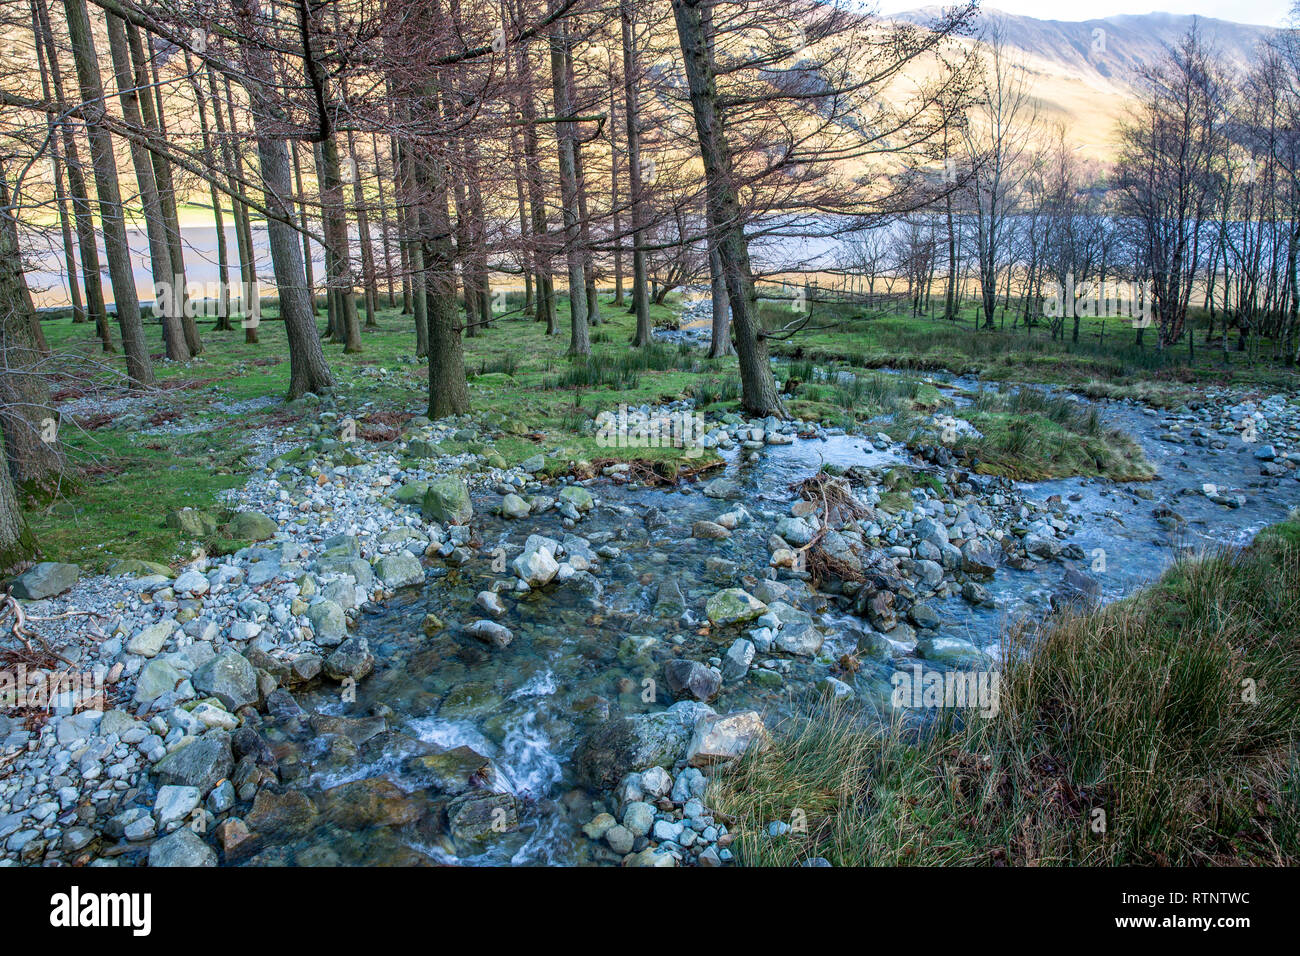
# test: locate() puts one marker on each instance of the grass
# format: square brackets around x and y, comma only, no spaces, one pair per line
[1160,730]
[1106,362]
[1030,435]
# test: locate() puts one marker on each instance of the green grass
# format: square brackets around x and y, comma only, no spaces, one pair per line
[1173,713]
[1106,362]
[1029,435]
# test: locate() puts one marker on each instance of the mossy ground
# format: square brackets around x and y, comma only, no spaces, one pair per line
[1106,362]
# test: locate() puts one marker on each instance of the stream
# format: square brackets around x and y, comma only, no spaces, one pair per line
[581,654]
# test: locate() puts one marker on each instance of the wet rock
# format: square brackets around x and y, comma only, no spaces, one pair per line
[490,602]
[709,531]
[512,506]
[718,738]
[291,813]
[372,802]
[1078,587]
[879,608]
[951,651]
[976,559]
[490,633]
[797,634]
[356,729]
[1042,547]
[453,771]
[580,498]
[725,488]
[478,817]
[236,840]
[669,602]
[693,678]
[923,615]
[182,848]
[351,659]
[655,519]
[977,594]
[733,606]
[469,699]
[536,567]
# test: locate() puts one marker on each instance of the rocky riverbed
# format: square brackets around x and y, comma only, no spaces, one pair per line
[433,658]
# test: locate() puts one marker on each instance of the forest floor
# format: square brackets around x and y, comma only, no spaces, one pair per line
[210,420]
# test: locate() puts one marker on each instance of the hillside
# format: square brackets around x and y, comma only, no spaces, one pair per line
[1086,73]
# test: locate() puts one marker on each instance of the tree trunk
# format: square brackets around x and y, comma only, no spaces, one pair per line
[565,135]
[308,371]
[448,391]
[632,111]
[168,299]
[139,369]
[759,394]
[35,456]
[218,217]
[81,208]
[56,161]
[720,344]
[17,546]
[336,234]
[155,123]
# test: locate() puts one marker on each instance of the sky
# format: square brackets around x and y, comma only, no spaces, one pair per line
[1267,12]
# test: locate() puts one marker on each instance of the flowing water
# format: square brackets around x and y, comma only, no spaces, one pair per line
[577,657]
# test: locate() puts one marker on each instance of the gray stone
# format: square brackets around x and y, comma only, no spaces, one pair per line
[45,580]
[202,764]
[733,606]
[150,640]
[447,502]
[693,678]
[491,633]
[230,678]
[328,622]
[400,570]
[182,848]
[735,665]
[174,804]
[156,678]
[351,659]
